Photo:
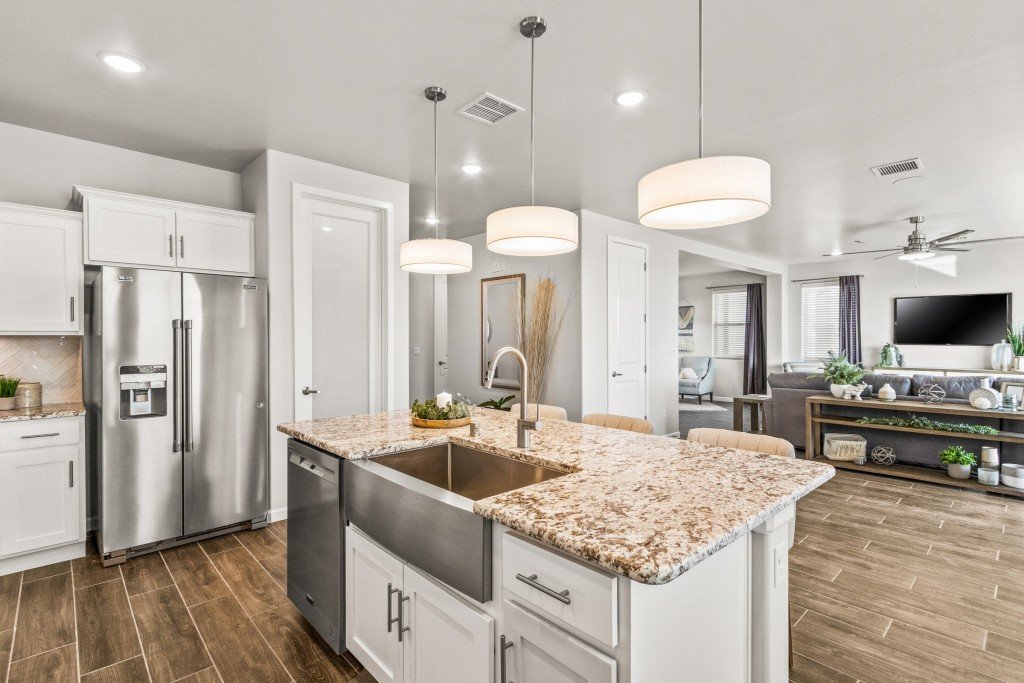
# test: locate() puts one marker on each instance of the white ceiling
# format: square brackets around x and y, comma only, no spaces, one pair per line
[822,90]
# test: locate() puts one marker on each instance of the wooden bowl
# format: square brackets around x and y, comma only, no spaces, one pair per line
[439,424]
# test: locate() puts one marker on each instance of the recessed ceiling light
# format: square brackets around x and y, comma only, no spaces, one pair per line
[631,98]
[326,228]
[837,252]
[122,62]
[472,169]
[432,221]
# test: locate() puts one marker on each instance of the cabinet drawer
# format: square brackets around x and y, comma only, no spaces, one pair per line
[581,596]
[17,436]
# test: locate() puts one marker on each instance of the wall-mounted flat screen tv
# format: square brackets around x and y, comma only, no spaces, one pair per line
[955,320]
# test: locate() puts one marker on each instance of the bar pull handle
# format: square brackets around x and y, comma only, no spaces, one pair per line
[505,645]
[187,352]
[71,474]
[531,580]
[72,309]
[391,591]
[40,436]
[178,389]
[181,246]
[402,628]
[170,246]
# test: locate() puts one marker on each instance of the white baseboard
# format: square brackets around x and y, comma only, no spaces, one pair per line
[277,514]
[41,558]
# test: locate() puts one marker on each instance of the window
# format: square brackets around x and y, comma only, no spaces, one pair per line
[819,319]
[728,322]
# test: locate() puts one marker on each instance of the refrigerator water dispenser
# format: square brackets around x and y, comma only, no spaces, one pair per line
[143,391]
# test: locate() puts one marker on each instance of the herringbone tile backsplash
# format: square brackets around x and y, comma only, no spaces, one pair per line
[56,362]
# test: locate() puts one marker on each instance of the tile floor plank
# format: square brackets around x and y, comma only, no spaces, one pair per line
[303,653]
[238,650]
[145,573]
[106,631]
[809,671]
[277,565]
[6,641]
[129,671]
[1005,646]
[280,530]
[173,647]
[204,676]
[46,617]
[89,571]
[249,581]
[219,544]
[52,666]
[981,661]
[48,570]
[10,587]
[194,574]
[261,542]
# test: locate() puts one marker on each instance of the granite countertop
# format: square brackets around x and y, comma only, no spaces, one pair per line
[46,411]
[646,507]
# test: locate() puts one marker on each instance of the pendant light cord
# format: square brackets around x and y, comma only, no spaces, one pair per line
[533,191]
[437,214]
[700,70]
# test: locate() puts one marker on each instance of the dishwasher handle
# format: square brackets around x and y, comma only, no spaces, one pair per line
[313,468]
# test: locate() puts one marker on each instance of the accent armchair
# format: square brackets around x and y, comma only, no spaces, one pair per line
[704,382]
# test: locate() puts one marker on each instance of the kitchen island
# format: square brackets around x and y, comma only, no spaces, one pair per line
[694,538]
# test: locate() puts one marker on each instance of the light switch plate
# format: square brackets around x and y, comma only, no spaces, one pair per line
[779,565]
[416,350]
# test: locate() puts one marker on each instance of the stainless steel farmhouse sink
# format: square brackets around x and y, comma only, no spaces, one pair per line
[419,505]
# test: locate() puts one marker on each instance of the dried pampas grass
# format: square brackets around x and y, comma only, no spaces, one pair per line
[543,325]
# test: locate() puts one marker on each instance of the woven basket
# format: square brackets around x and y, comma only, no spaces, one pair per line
[28,395]
[439,424]
[847,447]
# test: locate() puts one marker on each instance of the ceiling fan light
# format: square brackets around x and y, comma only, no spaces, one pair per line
[915,255]
[705,193]
[436,256]
[532,231]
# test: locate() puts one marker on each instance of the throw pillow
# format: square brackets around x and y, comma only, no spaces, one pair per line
[687,373]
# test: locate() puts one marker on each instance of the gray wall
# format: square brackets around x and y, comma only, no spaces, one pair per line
[464,324]
[39,168]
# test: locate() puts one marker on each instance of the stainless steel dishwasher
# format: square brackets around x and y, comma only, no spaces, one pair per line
[316,542]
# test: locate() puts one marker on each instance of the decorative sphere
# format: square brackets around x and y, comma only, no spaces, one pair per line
[883,455]
[933,393]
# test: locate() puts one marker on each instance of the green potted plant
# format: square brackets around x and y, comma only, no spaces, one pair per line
[1015,337]
[8,388]
[958,461]
[841,373]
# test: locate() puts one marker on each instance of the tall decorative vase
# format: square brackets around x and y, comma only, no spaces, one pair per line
[1018,364]
[1002,356]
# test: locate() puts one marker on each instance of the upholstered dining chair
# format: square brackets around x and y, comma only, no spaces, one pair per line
[546,412]
[629,424]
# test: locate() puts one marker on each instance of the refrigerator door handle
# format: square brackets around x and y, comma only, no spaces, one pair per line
[178,378]
[188,385]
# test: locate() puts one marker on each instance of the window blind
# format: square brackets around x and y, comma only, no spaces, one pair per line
[728,322]
[819,319]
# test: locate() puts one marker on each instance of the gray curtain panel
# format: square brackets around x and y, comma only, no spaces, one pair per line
[753,348]
[849,317]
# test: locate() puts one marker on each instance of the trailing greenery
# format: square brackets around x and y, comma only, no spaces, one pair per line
[957,455]
[891,357]
[499,403]
[429,410]
[925,423]
[8,386]
[1016,339]
[839,370]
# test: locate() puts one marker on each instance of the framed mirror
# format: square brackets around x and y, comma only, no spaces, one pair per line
[502,321]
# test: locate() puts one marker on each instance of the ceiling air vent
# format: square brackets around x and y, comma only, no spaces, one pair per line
[489,109]
[896,168]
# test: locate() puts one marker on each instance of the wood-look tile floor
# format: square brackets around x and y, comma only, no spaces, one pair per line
[210,611]
[893,580]
[889,581]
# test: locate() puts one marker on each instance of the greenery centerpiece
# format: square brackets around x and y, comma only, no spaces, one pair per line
[891,356]
[8,389]
[841,373]
[1015,337]
[918,422]
[430,414]
[958,461]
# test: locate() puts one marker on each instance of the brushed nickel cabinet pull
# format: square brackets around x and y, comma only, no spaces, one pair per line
[40,436]
[71,474]
[391,591]
[505,645]
[72,309]
[531,580]
[181,246]
[170,246]
[402,628]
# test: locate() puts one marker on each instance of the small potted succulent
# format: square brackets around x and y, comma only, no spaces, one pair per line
[958,461]
[1015,337]
[841,373]
[8,388]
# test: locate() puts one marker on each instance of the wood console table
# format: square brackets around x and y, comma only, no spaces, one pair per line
[815,420]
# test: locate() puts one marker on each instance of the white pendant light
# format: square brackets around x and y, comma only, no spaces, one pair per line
[532,230]
[707,191]
[436,255]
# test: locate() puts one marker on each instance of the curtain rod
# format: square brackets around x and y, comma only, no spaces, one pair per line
[742,284]
[824,279]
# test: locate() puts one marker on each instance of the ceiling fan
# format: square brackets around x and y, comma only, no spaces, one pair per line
[919,247]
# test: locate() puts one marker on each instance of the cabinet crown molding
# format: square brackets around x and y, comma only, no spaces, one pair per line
[80,193]
[41,211]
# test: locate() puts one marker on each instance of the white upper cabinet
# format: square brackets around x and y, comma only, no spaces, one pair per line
[131,230]
[41,275]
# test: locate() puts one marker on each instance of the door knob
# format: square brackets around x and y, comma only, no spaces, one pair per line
[616,374]
[306,391]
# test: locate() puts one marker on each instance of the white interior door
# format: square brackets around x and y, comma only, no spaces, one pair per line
[627,328]
[339,290]
[440,333]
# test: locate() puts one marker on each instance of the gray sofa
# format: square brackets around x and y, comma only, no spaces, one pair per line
[704,385]
[785,414]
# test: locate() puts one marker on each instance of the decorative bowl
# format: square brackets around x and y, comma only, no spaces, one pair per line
[986,399]
[439,424]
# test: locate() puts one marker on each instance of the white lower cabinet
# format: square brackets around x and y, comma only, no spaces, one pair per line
[538,652]
[42,482]
[403,626]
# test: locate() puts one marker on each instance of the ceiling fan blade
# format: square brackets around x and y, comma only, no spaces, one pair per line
[949,249]
[993,239]
[879,258]
[952,236]
[869,251]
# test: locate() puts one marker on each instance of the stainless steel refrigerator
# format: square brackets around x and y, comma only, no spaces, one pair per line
[176,379]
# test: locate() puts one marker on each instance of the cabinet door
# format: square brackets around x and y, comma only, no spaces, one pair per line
[214,242]
[448,640]
[40,495]
[40,272]
[128,232]
[542,653]
[373,582]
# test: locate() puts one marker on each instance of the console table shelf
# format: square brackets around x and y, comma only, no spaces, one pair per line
[1005,437]
[924,474]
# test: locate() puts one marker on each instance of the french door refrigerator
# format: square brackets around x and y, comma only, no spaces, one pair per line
[177,381]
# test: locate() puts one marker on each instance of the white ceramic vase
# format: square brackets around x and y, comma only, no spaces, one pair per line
[887,393]
[959,471]
[1018,364]
[7,403]
[839,389]
[1002,356]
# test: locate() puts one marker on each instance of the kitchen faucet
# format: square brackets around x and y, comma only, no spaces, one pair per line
[523,426]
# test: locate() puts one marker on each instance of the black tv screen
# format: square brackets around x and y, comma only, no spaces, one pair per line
[958,320]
